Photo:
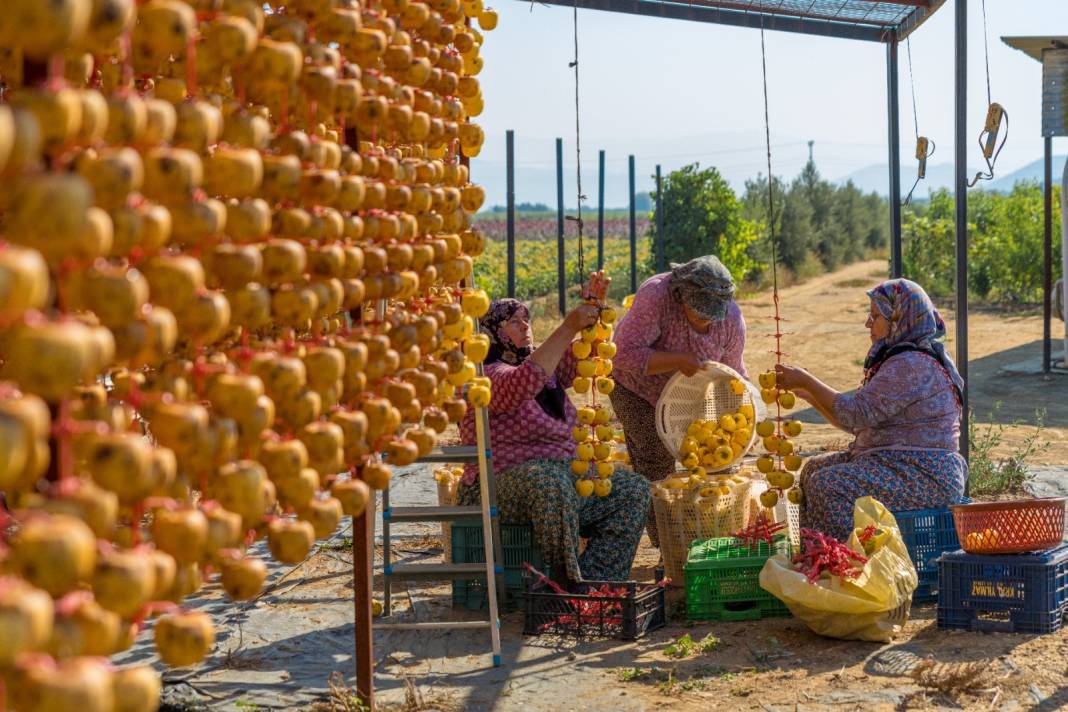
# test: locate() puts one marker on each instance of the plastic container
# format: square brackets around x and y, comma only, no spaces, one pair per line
[723,580]
[1024,593]
[639,610]
[928,533]
[517,544]
[706,395]
[1011,527]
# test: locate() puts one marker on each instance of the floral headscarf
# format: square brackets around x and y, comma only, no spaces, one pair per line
[550,398]
[705,285]
[915,325]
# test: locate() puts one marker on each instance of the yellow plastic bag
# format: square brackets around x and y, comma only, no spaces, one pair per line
[873,606]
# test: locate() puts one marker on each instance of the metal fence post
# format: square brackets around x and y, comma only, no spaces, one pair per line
[510,178]
[633,231]
[600,210]
[561,273]
[661,245]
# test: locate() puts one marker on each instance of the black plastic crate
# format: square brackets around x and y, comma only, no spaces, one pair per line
[928,533]
[518,547]
[638,611]
[1023,593]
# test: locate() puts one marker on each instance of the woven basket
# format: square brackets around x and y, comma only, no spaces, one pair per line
[1011,527]
[706,395]
[684,516]
[447,498]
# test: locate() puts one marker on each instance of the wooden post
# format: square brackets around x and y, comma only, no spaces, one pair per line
[363,536]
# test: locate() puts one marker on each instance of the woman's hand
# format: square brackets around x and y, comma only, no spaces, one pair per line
[792,378]
[688,363]
[580,317]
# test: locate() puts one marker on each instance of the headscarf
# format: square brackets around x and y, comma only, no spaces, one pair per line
[551,399]
[704,285]
[915,325]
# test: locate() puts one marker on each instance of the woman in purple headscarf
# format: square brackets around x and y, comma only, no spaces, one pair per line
[905,417]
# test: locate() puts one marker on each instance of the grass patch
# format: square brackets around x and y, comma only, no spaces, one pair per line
[685,646]
[991,476]
[855,283]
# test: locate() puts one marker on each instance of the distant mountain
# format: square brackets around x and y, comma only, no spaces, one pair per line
[875,178]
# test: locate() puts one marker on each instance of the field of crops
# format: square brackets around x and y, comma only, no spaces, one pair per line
[536,253]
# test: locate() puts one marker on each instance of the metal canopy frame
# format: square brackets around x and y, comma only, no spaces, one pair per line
[866,20]
[888,21]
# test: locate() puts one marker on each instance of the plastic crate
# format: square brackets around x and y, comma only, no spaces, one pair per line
[639,610]
[517,544]
[1012,593]
[723,580]
[928,533]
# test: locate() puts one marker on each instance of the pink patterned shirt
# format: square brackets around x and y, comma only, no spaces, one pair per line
[520,430]
[656,322]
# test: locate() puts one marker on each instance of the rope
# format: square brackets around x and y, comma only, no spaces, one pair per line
[912,86]
[986,55]
[578,151]
[989,173]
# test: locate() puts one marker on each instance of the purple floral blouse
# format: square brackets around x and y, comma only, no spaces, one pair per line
[656,322]
[909,403]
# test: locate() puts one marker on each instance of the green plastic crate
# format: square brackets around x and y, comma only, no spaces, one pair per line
[723,580]
[517,544]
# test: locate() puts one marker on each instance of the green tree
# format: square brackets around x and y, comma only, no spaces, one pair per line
[702,216]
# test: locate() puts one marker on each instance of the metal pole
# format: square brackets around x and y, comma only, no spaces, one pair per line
[894,138]
[660,244]
[561,276]
[363,536]
[1047,254]
[960,106]
[600,210]
[1064,257]
[633,230]
[510,178]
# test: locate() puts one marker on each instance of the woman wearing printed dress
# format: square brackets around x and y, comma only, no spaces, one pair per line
[905,418]
[531,419]
[679,320]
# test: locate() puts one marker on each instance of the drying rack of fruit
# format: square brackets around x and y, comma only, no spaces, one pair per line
[234,239]
[594,456]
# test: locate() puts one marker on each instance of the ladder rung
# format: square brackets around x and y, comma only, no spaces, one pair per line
[453,453]
[409,572]
[433,626]
[431,514]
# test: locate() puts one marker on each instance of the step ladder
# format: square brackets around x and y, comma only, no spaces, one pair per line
[492,570]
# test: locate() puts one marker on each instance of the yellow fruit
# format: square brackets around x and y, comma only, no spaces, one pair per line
[581,349]
[737,387]
[795,495]
[724,454]
[586,368]
[581,384]
[136,689]
[765,464]
[602,487]
[688,446]
[184,638]
[580,434]
[580,467]
[26,615]
[691,460]
[768,395]
[585,488]
[792,462]
[787,399]
[584,451]
[606,350]
[765,428]
[780,479]
[605,385]
[785,447]
[605,469]
[479,396]
[55,553]
[767,380]
[728,423]
[586,415]
[747,410]
[792,428]
[769,498]
[600,416]
[242,578]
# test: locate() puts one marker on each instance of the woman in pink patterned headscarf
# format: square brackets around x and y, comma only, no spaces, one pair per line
[531,420]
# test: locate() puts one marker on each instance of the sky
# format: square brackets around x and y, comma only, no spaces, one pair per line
[674,92]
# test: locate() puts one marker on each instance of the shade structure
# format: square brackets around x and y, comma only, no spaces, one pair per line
[870,20]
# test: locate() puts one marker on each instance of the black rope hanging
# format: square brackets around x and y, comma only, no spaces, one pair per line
[578,153]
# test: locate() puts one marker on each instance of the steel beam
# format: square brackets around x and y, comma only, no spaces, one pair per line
[561,274]
[1047,254]
[509,160]
[894,142]
[960,107]
[633,230]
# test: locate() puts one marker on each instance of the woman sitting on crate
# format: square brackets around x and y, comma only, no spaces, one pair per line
[679,320]
[905,416]
[531,421]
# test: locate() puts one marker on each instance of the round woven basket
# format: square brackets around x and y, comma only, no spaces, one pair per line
[1011,527]
[706,395]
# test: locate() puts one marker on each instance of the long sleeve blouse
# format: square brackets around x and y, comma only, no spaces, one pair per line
[657,322]
[909,403]
[520,430]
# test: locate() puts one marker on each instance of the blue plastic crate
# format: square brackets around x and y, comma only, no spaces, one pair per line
[928,533]
[517,544]
[1024,593]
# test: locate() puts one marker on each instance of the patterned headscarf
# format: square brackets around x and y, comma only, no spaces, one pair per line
[704,285]
[551,399]
[915,325]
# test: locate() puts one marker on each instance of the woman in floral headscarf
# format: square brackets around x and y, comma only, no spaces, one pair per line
[531,420]
[905,418]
